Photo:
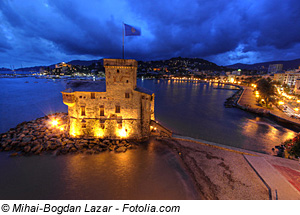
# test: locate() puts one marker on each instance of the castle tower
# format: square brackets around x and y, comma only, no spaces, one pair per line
[120,74]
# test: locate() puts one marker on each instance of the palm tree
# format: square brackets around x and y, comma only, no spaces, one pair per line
[266,89]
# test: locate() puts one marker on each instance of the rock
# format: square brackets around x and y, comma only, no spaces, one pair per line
[53,146]
[39,150]
[73,149]
[26,139]
[27,149]
[121,149]
[112,147]
[4,144]
[13,154]
[102,145]
[35,148]
[106,142]
[14,143]
[7,148]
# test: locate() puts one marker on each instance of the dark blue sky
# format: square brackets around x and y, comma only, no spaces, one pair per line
[43,32]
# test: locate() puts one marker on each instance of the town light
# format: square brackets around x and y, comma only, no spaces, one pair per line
[256,95]
[296,109]
[262,100]
[281,103]
[54,122]
[298,101]
[122,132]
[61,128]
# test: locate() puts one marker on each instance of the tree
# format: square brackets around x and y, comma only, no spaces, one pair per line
[266,89]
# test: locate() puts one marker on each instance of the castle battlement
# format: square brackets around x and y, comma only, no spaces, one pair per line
[113,109]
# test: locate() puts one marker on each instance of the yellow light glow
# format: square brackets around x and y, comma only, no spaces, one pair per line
[256,92]
[296,109]
[254,85]
[61,128]
[73,131]
[54,122]
[256,96]
[99,133]
[122,132]
[262,100]
[298,101]
[281,103]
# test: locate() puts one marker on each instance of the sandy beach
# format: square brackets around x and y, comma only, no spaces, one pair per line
[226,173]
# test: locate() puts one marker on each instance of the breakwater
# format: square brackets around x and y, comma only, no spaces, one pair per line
[40,137]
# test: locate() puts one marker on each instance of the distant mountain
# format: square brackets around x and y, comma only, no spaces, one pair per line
[4,69]
[84,62]
[287,65]
[180,63]
[73,62]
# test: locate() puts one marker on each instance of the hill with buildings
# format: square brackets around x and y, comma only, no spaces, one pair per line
[287,65]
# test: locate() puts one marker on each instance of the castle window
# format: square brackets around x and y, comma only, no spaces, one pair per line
[83,125]
[80,97]
[143,97]
[126,81]
[93,96]
[102,126]
[119,121]
[102,110]
[82,110]
[118,71]
[118,109]
[127,95]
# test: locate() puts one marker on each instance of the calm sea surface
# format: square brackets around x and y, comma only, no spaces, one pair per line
[150,172]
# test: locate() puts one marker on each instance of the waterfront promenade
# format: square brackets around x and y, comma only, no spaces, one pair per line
[224,172]
[248,101]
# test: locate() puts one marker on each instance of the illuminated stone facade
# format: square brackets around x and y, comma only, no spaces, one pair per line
[122,110]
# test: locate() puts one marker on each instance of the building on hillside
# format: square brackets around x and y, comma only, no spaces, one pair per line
[273,68]
[62,65]
[279,77]
[290,78]
[297,87]
[117,109]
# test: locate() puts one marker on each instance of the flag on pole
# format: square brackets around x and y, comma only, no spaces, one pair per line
[132,31]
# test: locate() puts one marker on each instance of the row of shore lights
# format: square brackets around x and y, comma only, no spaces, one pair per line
[122,133]
[280,102]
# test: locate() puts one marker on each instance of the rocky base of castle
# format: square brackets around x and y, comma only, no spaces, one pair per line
[41,137]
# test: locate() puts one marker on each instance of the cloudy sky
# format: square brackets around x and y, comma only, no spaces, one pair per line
[43,32]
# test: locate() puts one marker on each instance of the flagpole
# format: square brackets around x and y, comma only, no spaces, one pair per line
[123,40]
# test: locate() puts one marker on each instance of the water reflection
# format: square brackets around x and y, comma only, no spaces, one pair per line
[197,110]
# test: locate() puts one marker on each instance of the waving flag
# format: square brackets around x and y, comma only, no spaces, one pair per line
[132,31]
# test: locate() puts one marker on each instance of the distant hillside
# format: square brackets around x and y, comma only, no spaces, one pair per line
[4,69]
[179,62]
[287,65]
[73,62]
[84,62]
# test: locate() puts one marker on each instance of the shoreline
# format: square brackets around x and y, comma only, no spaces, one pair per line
[212,167]
[248,103]
[214,170]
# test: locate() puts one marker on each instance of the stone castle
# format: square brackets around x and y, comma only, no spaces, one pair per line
[119,109]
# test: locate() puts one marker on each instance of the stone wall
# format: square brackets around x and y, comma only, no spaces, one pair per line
[127,112]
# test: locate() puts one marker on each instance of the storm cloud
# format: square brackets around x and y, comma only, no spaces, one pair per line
[42,32]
